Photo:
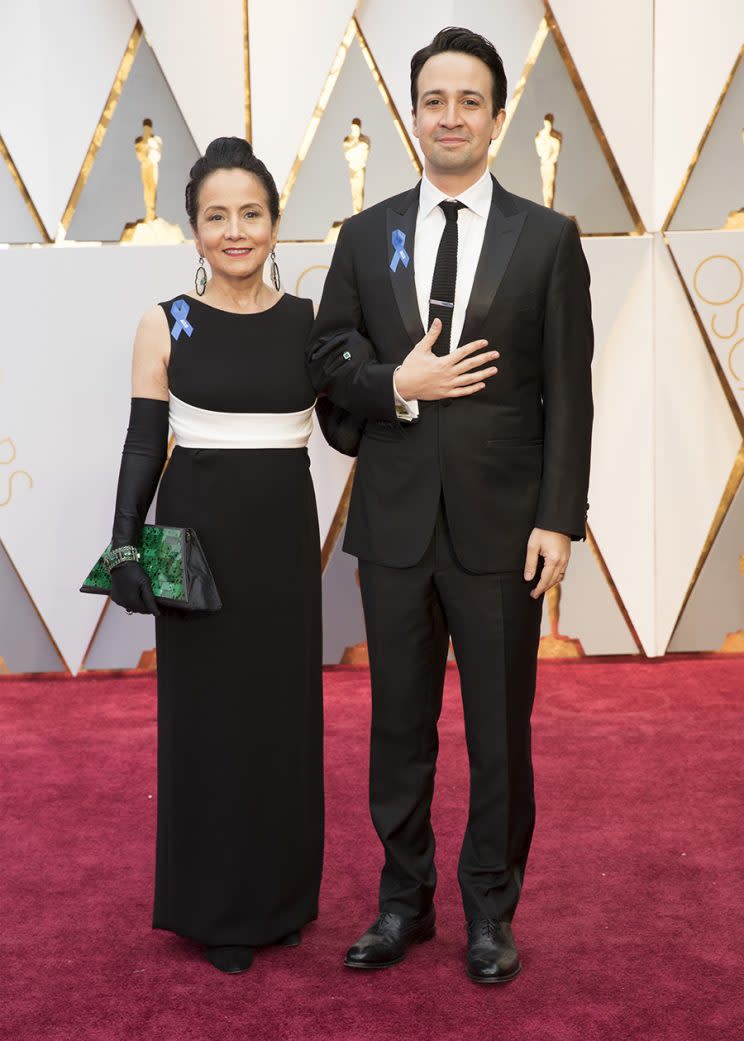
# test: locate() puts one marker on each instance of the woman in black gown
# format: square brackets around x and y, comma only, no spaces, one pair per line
[240,788]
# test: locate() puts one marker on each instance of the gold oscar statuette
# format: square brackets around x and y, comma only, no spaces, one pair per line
[153,230]
[548,142]
[356,147]
[555,645]
[735,221]
[734,642]
[4,670]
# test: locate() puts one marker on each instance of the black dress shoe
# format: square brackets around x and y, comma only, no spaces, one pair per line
[492,953]
[386,942]
[290,940]
[231,959]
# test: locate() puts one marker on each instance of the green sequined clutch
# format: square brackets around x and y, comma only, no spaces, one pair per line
[176,566]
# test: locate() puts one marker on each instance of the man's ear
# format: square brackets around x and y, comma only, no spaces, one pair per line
[414,124]
[498,124]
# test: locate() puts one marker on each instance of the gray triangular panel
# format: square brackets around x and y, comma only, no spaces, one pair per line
[112,195]
[588,610]
[25,645]
[716,184]
[585,187]
[716,604]
[343,620]
[120,640]
[322,193]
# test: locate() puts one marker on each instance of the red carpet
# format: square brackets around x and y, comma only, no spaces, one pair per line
[631,924]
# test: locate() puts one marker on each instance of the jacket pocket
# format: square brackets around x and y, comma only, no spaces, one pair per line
[517,441]
[383,430]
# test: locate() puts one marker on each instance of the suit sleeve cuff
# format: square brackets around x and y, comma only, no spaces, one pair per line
[406,411]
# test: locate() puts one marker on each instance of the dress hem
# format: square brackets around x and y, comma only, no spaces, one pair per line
[247,943]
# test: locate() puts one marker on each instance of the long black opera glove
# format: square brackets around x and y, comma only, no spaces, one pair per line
[142,461]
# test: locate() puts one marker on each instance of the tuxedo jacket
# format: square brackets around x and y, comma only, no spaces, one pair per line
[506,459]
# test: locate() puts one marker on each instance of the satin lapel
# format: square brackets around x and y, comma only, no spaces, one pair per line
[402,279]
[500,238]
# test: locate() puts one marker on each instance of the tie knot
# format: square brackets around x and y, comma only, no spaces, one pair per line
[450,209]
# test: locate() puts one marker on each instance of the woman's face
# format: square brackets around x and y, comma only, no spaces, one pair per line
[234,232]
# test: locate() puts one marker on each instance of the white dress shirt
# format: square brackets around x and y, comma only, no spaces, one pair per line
[471,227]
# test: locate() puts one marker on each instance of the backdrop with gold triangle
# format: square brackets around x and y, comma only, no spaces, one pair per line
[651,166]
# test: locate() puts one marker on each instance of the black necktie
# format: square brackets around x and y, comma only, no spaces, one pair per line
[442,296]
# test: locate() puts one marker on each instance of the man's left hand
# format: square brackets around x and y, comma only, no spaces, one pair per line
[555,549]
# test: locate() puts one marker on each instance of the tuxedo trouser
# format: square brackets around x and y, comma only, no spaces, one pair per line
[495,628]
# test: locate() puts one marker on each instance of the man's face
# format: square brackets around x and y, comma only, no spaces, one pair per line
[454,119]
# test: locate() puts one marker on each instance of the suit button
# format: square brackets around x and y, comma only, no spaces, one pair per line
[447,402]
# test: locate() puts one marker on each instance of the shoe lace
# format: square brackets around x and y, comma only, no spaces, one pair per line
[484,929]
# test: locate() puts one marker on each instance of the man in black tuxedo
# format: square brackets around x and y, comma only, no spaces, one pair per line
[471,483]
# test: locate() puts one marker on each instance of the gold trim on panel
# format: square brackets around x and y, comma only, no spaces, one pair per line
[592,542]
[352,30]
[313,267]
[698,151]
[339,519]
[387,98]
[39,615]
[247,73]
[13,170]
[320,107]
[125,67]
[722,379]
[513,102]
[547,26]
[599,133]
[729,494]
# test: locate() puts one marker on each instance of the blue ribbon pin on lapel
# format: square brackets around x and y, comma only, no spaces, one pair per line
[179,310]
[399,241]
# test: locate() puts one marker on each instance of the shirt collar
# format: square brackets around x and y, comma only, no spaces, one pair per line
[477,197]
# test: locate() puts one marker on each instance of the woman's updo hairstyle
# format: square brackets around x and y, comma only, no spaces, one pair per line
[229,153]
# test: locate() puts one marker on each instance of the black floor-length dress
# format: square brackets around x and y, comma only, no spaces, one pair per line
[240,771]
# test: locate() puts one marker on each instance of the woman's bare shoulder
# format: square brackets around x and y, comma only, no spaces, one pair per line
[153,322]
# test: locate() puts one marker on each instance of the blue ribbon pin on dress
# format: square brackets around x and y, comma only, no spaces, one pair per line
[179,310]
[399,241]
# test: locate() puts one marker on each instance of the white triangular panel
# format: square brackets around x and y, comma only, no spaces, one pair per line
[511,26]
[292,47]
[696,439]
[712,265]
[66,57]
[603,47]
[621,489]
[705,38]
[201,54]
[78,360]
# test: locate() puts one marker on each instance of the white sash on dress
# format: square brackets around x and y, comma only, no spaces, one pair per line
[201,428]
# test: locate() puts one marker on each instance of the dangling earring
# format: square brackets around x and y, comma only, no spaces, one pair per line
[200,278]
[275,279]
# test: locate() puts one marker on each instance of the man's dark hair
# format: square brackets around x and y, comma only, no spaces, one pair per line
[229,153]
[456,39]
